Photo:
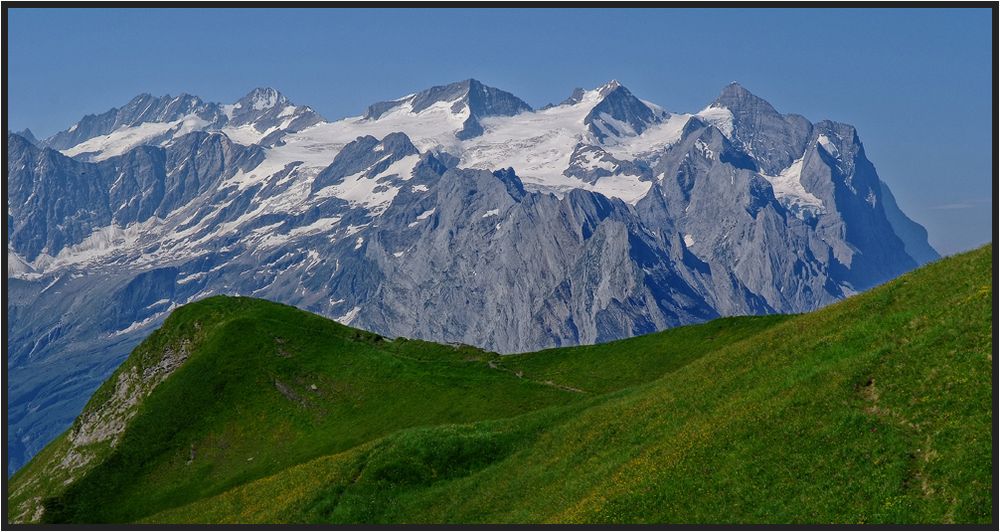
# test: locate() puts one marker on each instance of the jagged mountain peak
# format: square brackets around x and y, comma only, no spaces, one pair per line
[480,99]
[739,99]
[141,97]
[17,141]
[26,134]
[155,114]
[773,139]
[468,100]
[262,98]
[619,113]
[609,87]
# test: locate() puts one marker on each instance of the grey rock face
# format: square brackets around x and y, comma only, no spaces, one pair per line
[552,271]
[63,201]
[762,213]
[60,200]
[732,223]
[861,237]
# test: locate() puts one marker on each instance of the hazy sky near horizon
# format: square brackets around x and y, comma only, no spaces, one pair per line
[916,83]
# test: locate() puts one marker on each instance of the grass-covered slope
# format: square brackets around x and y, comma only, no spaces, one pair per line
[876,409]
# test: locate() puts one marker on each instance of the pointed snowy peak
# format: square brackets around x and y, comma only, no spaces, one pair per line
[774,140]
[467,101]
[265,115]
[735,104]
[470,95]
[738,99]
[488,101]
[619,113]
[609,87]
[261,99]
[453,93]
[145,109]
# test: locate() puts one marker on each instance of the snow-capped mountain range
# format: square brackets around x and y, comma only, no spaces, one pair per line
[456,214]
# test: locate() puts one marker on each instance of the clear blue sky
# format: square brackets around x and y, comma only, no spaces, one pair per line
[916,83]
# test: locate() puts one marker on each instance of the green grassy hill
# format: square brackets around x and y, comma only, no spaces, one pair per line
[877,409]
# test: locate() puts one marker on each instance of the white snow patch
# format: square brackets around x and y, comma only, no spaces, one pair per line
[17,267]
[593,160]
[403,168]
[366,191]
[101,243]
[789,191]
[655,138]
[321,225]
[431,128]
[267,100]
[188,278]
[629,188]
[719,117]
[704,149]
[120,140]
[491,212]
[828,145]
[246,134]
[537,145]
[351,315]
[137,325]
[422,216]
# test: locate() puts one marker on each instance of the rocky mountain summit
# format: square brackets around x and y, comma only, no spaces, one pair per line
[456,214]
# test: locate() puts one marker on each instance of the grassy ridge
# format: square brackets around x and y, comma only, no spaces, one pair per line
[874,410]
[273,386]
[267,387]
